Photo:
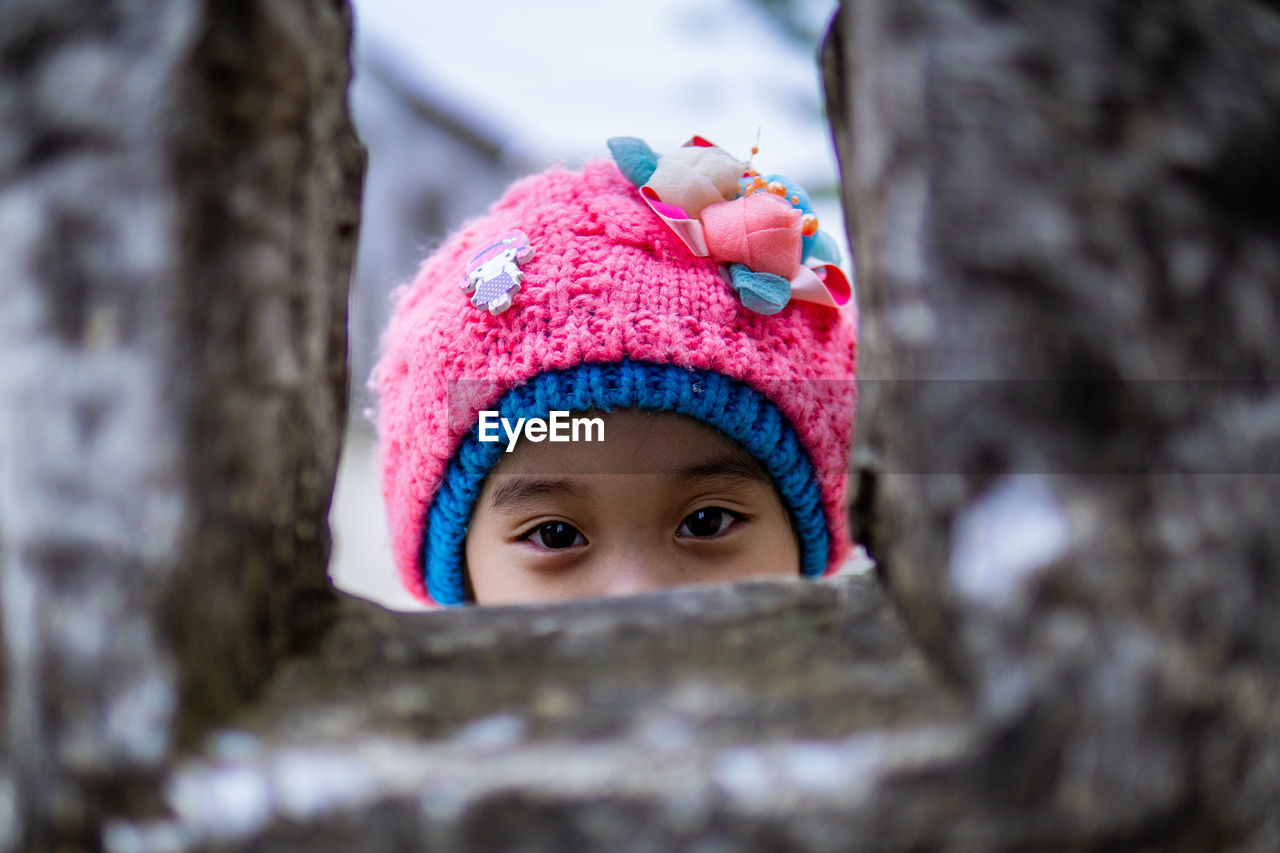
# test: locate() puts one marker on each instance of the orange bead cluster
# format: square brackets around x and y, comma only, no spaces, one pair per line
[809,222]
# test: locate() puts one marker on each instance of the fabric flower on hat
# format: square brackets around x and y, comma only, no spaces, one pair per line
[762,229]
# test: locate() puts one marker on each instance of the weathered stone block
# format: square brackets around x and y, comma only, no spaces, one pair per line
[1067,443]
[179,189]
[751,716]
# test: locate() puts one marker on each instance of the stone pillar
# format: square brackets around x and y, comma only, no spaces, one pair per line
[179,189]
[1067,226]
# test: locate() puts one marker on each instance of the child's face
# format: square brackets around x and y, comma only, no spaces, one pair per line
[663,501]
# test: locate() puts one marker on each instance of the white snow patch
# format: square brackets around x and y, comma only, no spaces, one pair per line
[495,732]
[308,784]
[223,802]
[1011,534]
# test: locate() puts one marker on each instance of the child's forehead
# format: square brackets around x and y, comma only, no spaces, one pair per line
[635,442]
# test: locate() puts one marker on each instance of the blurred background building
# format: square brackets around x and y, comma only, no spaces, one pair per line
[454,100]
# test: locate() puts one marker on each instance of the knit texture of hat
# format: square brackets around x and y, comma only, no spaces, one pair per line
[614,312]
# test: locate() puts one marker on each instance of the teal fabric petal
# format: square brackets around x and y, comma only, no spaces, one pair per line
[762,292]
[824,249]
[635,159]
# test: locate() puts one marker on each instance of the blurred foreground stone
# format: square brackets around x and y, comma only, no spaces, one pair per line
[1067,222]
[1068,239]
[179,187]
[752,716]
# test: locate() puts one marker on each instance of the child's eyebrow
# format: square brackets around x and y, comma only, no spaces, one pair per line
[517,491]
[731,464]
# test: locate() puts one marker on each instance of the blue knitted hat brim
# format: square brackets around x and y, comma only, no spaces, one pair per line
[730,406]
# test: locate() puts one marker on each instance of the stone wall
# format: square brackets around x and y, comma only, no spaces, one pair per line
[178,207]
[1065,222]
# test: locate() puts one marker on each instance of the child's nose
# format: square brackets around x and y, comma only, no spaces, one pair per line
[638,568]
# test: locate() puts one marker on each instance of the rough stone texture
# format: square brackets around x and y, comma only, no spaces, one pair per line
[1067,230]
[178,204]
[750,716]
[1066,224]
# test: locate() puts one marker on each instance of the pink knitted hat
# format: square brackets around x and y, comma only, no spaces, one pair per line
[614,311]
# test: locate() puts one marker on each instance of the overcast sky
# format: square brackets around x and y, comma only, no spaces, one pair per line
[555,79]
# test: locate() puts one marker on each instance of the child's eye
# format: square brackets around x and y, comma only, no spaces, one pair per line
[708,522]
[555,535]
